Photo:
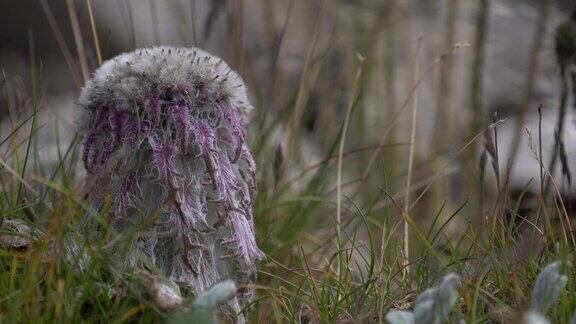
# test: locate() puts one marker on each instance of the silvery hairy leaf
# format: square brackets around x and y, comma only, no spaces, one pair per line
[400,317]
[549,286]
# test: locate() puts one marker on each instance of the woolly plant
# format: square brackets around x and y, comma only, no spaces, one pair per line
[167,160]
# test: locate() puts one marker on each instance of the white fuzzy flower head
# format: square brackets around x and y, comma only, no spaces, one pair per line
[165,140]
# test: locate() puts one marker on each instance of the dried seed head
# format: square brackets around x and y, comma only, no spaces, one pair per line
[165,134]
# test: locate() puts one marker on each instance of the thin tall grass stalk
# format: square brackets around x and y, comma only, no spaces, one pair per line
[61,43]
[238,35]
[477,88]
[274,70]
[389,62]
[561,119]
[18,177]
[413,126]
[154,19]
[193,23]
[444,106]
[384,241]
[479,60]
[370,48]
[559,201]
[444,109]
[477,113]
[540,164]
[94,32]
[389,79]
[394,119]
[452,160]
[501,186]
[329,159]
[78,39]
[416,186]
[299,104]
[532,75]
[35,102]
[125,7]
[340,158]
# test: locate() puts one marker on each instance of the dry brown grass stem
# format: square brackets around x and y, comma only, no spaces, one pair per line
[560,121]
[15,175]
[125,8]
[61,43]
[154,19]
[413,126]
[299,105]
[193,23]
[340,158]
[238,35]
[274,70]
[78,39]
[94,32]
[396,116]
[532,75]
[452,160]
[444,106]
[477,82]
